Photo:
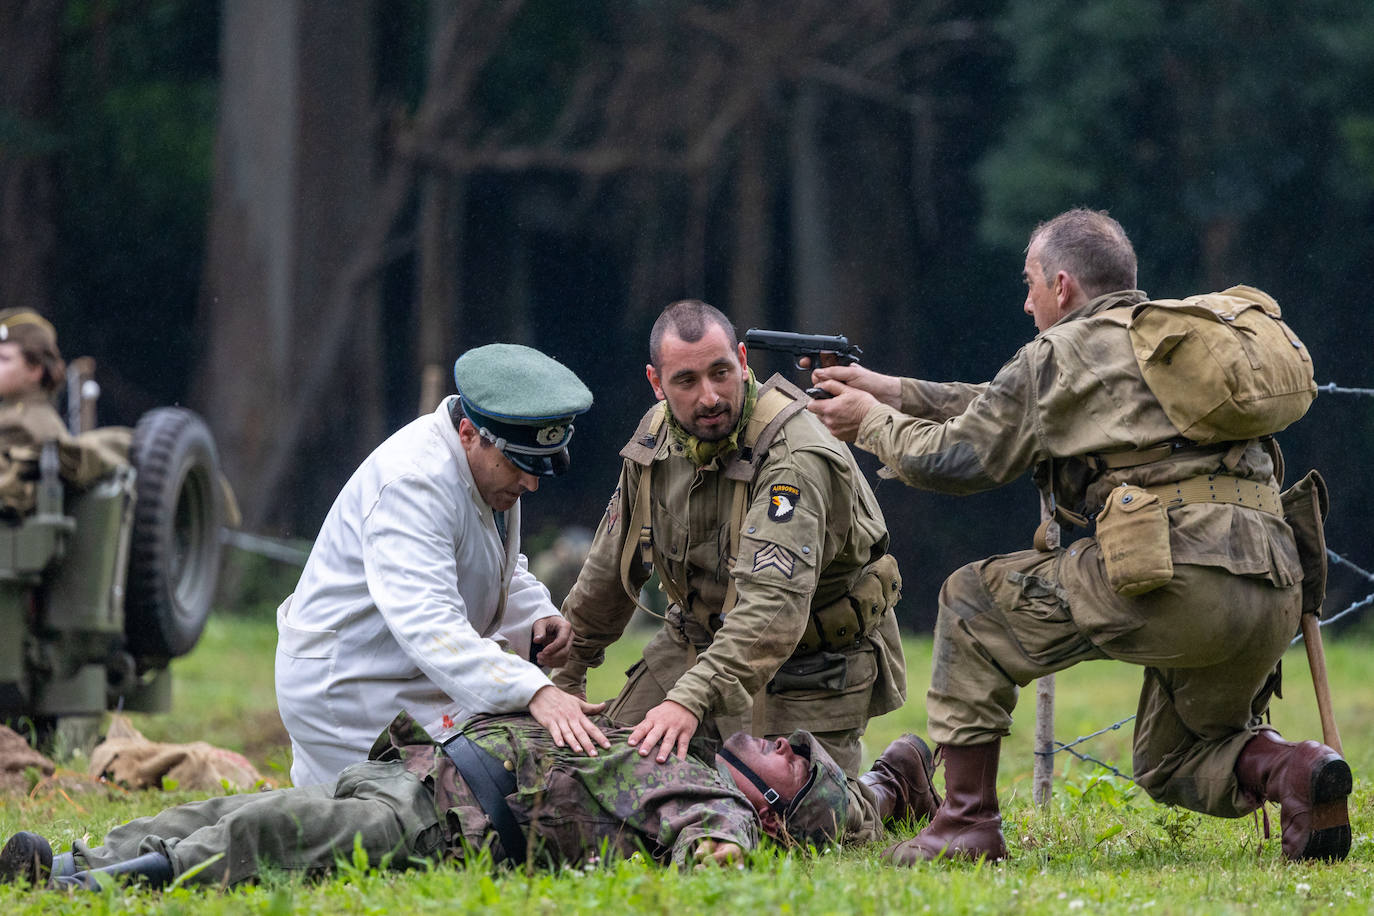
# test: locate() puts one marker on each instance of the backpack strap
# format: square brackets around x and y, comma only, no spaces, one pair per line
[778,401]
[645,444]
[642,448]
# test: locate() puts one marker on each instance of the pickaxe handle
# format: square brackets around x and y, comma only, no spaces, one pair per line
[1316,661]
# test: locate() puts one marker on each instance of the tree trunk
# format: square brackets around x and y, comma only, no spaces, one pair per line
[291,195]
[440,253]
[812,272]
[753,238]
[29,32]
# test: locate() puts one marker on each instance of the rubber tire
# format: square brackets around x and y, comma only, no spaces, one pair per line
[174,550]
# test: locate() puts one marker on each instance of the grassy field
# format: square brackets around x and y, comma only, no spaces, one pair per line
[1100,847]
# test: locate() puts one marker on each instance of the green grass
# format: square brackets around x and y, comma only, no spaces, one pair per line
[1100,847]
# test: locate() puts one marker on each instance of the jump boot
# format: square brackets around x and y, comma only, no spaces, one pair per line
[969,823]
[900,781]
[1310,782]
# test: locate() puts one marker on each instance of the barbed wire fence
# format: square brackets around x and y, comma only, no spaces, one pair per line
[1047,746]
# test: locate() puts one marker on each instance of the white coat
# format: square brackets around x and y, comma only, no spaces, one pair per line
[400,607]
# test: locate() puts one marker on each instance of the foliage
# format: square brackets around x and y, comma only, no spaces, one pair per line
[1226,105]
[1234,140]
[1101,847]
[138,91]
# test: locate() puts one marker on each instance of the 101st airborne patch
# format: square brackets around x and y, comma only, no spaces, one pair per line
[782,501]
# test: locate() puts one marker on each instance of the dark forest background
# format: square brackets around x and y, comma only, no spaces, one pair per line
[279,212]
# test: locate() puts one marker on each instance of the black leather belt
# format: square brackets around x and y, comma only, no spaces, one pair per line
[491,783]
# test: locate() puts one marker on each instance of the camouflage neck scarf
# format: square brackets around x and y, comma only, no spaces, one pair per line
[703,453]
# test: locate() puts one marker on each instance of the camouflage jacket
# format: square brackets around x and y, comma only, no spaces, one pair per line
[1073,393]
[574,808]
[811,525]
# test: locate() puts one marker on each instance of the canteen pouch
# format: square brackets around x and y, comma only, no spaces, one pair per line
[1133,535]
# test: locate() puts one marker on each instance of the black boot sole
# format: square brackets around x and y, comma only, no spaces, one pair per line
[1331,785]
[26,856]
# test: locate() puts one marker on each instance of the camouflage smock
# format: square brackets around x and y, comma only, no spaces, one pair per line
[574,808]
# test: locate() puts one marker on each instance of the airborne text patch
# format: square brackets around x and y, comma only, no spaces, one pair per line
[782,501]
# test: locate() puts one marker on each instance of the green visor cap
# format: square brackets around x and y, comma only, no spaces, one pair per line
[817,814]
[523,402]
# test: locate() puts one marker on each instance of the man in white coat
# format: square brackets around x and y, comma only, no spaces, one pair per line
[416,596]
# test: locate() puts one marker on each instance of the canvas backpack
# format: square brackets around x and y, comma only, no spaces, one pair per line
[1224,366]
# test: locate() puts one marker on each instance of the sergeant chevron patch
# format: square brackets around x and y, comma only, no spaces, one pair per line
[779,558]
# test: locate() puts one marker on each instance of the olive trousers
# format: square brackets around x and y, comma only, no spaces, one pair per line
[377,808]
[1209,642]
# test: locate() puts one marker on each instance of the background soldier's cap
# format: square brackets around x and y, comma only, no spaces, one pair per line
[523,402]
[16,324]
[818,813]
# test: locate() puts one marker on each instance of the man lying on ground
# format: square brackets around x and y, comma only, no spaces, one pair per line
[501,784]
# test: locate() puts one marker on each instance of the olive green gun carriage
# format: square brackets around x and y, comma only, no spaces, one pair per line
[102,586]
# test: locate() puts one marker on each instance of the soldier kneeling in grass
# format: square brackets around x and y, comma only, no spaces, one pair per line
[500,784]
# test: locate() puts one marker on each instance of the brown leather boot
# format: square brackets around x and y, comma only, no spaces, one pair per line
[1310,782]
[900,781]
[969,823]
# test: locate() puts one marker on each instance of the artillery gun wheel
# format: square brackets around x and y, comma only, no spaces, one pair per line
[174,550]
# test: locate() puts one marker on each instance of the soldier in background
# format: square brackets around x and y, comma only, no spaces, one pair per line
[31,369]
[557,567]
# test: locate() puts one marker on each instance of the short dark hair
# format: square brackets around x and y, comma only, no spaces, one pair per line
[688,319]
[1089,245]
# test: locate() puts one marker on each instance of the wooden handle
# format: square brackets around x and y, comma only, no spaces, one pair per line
[1316,661]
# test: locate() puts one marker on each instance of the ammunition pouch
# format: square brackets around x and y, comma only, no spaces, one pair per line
[1305,506]
[847,620]
[817,671]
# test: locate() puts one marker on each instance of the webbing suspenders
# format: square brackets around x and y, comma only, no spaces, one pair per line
[638,530]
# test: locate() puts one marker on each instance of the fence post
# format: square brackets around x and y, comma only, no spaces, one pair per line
[1042,774]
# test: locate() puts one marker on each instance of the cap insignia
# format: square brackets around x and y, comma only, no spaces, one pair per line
[550,435]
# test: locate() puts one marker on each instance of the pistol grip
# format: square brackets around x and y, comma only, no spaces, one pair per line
[819,393]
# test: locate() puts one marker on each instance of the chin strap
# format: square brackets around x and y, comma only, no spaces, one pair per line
[770,794]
